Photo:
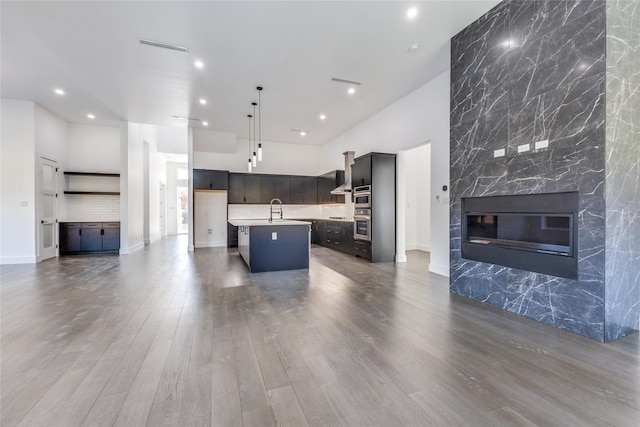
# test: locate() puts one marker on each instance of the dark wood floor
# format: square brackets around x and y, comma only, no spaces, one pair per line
[166,337]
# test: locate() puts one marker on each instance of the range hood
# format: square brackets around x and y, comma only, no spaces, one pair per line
[346,187]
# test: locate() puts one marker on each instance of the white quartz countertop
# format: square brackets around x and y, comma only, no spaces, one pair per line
[263,222]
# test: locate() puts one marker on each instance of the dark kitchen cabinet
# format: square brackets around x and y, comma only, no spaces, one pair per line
[236,188]
[89,237]
[339,236]
[362,249]
[232,236]
[210,179]
[361,173]
[303,190]
[318,232]
[379,171]
[244,188]
[328,182]
[274,186]
[110,236]
[70,238]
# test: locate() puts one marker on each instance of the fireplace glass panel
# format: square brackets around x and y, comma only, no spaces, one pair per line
[546,233]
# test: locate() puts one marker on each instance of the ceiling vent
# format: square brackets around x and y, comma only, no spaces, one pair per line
[164,45]
[349,82]
[186,118]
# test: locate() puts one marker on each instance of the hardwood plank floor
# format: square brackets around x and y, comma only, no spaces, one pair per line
[167,337]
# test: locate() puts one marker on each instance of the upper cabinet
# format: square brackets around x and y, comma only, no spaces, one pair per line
[361,171]
[274,186]
[327,182]
[244,188]
[303,190]
[210,180]
[247,188]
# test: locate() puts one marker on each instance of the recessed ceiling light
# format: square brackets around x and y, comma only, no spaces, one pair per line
[302,133]
[323,117]
[58,91]
[351,91]
[205,123]
[91,116]
[412,13]
[198,64]
[414,48]
[203,101]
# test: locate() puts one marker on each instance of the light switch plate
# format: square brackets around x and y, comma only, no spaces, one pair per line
[274,235]
[542,144]
[523,148]
[499,153]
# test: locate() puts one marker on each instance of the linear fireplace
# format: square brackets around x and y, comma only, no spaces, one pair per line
[534,232]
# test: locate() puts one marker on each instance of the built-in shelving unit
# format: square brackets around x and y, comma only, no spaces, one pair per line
[92,183]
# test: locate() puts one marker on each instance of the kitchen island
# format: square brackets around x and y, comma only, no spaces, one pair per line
[273,246]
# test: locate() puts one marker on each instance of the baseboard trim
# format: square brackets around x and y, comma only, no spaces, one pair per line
[442,270]
[401,258]
[424,248]
[6,260]
[132,249]
[155,238]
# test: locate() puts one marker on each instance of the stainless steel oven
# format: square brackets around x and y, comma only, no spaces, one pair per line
[362,224]
[362,197]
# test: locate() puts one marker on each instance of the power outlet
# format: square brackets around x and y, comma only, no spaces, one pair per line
[274,235]
[499,153]
[542,144]
[523,148]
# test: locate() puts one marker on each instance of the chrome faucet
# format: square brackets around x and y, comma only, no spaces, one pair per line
[275,199]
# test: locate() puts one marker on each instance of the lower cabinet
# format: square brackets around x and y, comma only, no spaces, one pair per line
[362,249]
[89,237]
[232,236]
[336,235]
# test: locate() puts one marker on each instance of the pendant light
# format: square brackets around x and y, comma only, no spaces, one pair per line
[254,157]
[249,162]
[259,124]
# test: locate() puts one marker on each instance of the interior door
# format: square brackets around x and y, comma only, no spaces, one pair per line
[210,219]
[47,211]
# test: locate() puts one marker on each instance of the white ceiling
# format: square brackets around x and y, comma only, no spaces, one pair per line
[293,49]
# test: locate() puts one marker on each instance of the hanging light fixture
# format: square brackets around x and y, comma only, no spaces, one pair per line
[259,124]
[254,157]
[249,162]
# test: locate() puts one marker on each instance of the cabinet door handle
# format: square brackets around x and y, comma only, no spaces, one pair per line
[80,232]
[102,232]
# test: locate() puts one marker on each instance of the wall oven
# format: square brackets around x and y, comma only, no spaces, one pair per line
[362,197]
[362,224]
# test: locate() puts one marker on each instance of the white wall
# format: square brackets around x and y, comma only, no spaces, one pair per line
[418,190]
[17,182]
[93,149]
[278,158]
[420,117]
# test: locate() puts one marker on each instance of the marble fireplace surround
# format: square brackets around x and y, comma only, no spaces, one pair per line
[566,72]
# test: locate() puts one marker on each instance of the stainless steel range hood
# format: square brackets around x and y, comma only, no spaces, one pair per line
[346,187]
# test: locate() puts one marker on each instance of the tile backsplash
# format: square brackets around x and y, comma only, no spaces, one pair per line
[92,207]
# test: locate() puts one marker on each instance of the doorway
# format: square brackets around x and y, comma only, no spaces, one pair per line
[418,196]
[47,211]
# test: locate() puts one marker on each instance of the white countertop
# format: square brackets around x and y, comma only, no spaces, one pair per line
[263,222]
